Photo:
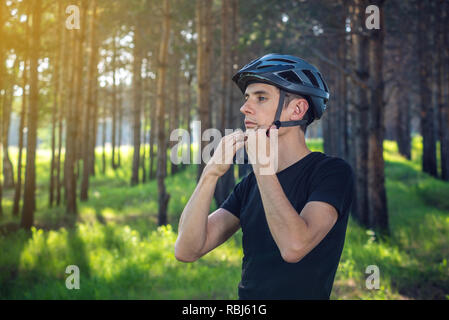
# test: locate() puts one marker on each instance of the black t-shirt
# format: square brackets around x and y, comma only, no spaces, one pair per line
[265,275]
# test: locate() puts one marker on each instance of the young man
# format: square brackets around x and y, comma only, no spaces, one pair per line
[294,220]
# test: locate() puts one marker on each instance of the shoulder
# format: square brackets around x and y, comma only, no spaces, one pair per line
[331,163]
[330,167]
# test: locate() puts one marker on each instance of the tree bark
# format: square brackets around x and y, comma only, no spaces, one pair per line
[103,134]
[442,41]
[2,63]
[378,209]
[160,103]
[153,135]
[403,123]
[429,162]
[204,26]
[65,101]
[137,109]
[88,115]
[189,113]
[175,106]
[29,199]
[56,103]
[72,136]
[360,208]
[18,190]
[114,99]
[8,169]
[227,181]
[120,124]
[144,133]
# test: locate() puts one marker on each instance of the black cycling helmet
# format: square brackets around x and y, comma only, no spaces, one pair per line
[289,74]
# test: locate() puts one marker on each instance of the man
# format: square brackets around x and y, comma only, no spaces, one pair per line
[294,220]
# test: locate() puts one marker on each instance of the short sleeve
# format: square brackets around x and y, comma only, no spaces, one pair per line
[233,202]
[333,183]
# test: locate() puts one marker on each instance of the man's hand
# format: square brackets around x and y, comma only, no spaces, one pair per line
[261,146]
[222,158]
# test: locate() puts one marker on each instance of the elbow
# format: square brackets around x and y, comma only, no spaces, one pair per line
[292,255]
[182,256]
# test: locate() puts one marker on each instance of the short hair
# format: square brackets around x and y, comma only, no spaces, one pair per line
[289,97]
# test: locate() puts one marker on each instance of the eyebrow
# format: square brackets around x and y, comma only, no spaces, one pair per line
[258,92]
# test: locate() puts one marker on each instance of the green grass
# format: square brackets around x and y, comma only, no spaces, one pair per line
[122,254]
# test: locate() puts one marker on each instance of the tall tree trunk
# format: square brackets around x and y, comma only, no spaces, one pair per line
[114,99]
[443,106]
[64,98]
[56,102]
[120,124]
[445,110]
[235,117]
[8,170]
[95,109]
[153,135]
[72,137]
[88,115]
[137,93]
[2,63]
[174,108]
[144,135]
[429,162]
[29,199]
[94,126]
[204,44]
[103,134]
[360,208]
[378,210]
[189,113]
[342,150]
[403,122]
[18,191]
[227,181]
[1,151]
[160,103]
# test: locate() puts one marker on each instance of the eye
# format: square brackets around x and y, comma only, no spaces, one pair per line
[262,99]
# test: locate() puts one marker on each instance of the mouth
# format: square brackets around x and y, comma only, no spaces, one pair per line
[250,124]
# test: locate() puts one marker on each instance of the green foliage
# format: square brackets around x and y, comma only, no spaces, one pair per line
[122,254]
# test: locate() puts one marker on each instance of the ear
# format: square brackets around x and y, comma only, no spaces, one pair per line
[300,107]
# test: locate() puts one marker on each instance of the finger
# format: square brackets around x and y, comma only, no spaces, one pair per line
[239,145]
[235,135]
[237,138]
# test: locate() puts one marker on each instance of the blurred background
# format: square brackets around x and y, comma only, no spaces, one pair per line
[90,91]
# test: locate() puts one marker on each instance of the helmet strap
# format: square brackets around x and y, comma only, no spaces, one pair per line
[277,122]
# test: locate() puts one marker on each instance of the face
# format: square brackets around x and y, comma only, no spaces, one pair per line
[261,102]
[260,105]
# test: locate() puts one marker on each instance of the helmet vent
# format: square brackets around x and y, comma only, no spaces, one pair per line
[282,60]
[263,67]
[324,83]
[311,78]
[290,76]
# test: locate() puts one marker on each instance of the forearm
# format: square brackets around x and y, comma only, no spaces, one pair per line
[192,229]
[288,228]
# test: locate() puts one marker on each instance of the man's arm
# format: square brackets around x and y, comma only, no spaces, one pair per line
[199,232]
[295,235]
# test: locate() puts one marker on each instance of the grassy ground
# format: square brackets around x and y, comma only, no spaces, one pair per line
[122,254]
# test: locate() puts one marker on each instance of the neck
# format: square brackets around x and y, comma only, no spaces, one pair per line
[291,148]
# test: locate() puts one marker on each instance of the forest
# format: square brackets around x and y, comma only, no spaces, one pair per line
[92,91]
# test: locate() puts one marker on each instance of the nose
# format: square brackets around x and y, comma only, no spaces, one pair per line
[246,108]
